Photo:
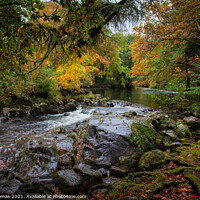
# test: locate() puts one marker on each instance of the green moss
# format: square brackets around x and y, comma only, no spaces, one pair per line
[151,160]
[144,136]
[186,133]
[194,177]
[130,162]
[54,149]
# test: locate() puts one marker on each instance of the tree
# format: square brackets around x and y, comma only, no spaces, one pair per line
[167,49]
[174,25]
[79,24]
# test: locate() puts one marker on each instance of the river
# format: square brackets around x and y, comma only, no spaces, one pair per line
[69,120]
[137,95]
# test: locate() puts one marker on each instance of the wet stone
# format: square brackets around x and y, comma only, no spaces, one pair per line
[70,177]
[33,187]
[105,148]
[66,145]
[9,186]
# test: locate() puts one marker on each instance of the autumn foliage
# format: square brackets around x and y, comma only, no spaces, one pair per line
[167,44]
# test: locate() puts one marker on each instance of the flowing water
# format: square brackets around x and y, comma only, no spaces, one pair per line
[69,120]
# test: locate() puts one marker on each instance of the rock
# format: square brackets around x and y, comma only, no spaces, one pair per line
[9,186]
[175,144]
[192,122]
[183,131]
[170,133]
[68,181]
[70,107]
[39,109]
[66,145]
[144,136]
[151,160]
[105,149]
[109,148]
[130,162]
[34,161]
[130,114]
[6,113]
[90,177]
[92,131]
[182,127]
[33,187]
[117,172]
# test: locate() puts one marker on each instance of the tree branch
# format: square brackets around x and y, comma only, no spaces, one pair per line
[9,4]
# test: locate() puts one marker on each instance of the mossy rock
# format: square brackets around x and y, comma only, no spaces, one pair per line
[68,181]
[117,172]
[90,177]
[194,177]
[151,160]
[144,136]
[129,162]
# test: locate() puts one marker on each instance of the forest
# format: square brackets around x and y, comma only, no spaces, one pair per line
[51,46]
[54,53]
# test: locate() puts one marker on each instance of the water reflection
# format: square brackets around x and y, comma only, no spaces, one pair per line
[134,95]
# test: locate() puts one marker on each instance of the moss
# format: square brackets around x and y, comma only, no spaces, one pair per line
[183,133]
[194,177]
[130,162]
[151,160]
[54,149]
[144,136]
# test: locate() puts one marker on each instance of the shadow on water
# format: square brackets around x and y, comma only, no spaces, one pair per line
[134,95]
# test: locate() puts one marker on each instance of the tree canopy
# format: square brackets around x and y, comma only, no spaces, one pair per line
[70,25]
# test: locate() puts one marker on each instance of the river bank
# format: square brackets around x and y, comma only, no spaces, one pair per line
[116,150]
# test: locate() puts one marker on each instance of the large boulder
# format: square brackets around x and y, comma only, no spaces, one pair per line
[68,181]
[90,177]
[151,160]
[105,148]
